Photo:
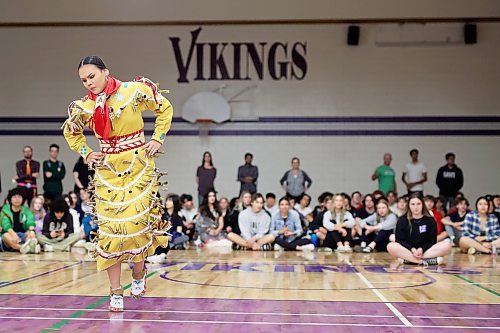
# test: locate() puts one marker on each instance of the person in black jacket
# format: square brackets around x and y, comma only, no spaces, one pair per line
[58,233]
[416,236]
[450,180]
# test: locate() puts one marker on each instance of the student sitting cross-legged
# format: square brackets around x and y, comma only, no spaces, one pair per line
[57,233]
[377,228]
[480,231]
[287,229]
[416,236]
[254,226]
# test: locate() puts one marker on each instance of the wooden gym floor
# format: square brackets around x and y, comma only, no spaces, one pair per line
[243,291]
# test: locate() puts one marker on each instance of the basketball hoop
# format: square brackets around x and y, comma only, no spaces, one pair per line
[203,126]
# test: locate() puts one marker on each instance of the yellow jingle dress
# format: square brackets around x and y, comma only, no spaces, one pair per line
[126,182]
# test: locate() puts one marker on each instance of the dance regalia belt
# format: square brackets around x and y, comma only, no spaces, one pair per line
[118,144]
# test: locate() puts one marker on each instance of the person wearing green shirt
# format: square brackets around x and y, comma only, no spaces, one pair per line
[386,175]
[53,174]
[18,224]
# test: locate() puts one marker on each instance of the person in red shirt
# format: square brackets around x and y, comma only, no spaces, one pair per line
[429,201]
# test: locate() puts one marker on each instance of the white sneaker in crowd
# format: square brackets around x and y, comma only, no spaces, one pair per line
[29,246]
[48,248]
[308,247]
[278,247]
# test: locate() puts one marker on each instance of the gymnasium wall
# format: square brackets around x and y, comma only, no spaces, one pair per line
[386,97]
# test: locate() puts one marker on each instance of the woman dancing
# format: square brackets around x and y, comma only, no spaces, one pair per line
[124,190]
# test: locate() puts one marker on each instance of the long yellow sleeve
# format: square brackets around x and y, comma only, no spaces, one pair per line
[162,109]
[73,129]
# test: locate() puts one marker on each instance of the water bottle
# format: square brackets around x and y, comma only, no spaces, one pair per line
[493,249]
[314,240]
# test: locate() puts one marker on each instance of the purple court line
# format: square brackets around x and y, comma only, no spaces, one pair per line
[38,275]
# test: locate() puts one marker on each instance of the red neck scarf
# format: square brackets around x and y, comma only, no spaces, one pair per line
[102,123]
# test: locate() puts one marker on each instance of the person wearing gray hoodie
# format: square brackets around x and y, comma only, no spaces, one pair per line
[254,224]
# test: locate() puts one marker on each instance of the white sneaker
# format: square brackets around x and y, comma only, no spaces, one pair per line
[80,243]
[48,248]
[308,247]
[157,259]
[37,249]
[28,246]
[138,287]
[340,249]
[278,247]
[116,303]
[347,248]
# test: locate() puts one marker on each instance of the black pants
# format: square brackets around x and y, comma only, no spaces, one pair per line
[29,193]
[291,246]
[333,237]
[380,238]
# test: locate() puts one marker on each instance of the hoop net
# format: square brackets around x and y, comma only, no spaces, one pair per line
[203,126]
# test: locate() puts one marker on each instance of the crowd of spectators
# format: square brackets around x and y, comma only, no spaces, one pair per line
[412,227]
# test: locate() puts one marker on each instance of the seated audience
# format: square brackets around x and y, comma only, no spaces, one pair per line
[39,212]
[429,204]
[401,206]
[189,213]
[480,231]
[416,236]
[368,207]
[58,233]
[18,224]
[271,207]
[453,222]
[287,229]
[303,208]
[337,224]
[377,228]
[209,222]
[242,203]
[254,224]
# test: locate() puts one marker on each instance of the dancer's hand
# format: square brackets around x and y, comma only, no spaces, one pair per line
[94,158]
[151,148]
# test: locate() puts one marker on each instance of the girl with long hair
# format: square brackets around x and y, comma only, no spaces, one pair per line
[337,225]
[210,222]
[480,231]
[377,228]
[416,236]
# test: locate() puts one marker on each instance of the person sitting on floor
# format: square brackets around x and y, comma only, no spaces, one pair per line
[18,224]
[337,225]
[480,231]
[453,222]
[254,224]
[287,229]
[416,236]
[377,228]
[58,233]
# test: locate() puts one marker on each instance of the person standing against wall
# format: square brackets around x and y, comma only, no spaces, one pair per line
[248,174]
[53,174]
[205,176]
[414,174]
[81,174]
[28,170]
[295,181]
[386,175]
[450,180]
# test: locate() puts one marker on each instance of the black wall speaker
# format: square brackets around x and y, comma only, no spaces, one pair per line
[470,33]
[353,35]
